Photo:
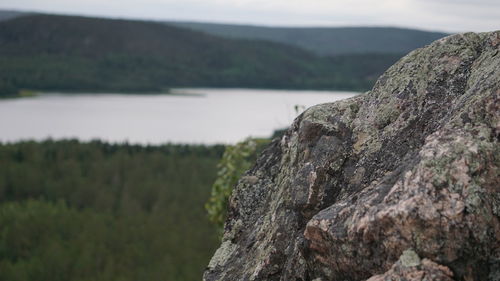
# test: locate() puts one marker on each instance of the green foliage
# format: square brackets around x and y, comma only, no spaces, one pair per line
[235,161]
[96,211]
[64,53]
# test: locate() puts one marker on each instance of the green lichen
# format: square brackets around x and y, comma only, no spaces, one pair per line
[409,258]
[441,170]
[473,200]
[354,108]
[386,115]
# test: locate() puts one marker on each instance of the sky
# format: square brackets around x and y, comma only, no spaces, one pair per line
[438,15]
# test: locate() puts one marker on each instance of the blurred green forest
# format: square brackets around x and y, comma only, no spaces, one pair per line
[98,211]
[70,53]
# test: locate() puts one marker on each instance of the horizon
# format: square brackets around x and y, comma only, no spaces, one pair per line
[224,23]
[391,14]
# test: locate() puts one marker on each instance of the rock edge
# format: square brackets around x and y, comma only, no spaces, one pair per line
[400,183]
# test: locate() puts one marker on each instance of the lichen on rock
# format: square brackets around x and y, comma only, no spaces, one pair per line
[400,182]
[409,267]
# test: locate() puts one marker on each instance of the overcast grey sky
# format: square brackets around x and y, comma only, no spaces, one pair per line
[441,15]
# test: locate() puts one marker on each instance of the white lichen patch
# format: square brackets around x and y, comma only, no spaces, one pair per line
[409,258]
[222,254]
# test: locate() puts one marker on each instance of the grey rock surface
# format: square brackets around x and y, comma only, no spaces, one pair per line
[402,179]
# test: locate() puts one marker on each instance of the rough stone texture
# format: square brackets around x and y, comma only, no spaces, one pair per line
[410,268]
[353,185]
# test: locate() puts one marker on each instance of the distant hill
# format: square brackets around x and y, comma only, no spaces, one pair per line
[327,41]
[320,40]
[47,52]
[7,15]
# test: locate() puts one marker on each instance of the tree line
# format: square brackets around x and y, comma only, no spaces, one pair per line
[98,211]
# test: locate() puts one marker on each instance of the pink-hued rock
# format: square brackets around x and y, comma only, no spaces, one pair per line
[354,185]
[409,267]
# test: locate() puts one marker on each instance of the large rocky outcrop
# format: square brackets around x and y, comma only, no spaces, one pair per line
[400,183]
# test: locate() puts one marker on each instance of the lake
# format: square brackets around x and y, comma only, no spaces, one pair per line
[201,116]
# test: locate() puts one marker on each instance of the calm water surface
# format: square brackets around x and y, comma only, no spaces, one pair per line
[188,116]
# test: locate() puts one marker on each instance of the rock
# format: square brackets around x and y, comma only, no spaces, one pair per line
[423,270]
[409,259]
[354,185]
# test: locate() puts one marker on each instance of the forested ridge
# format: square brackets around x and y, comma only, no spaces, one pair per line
[320,40]
[70,53]
[327,40]
[98,211]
